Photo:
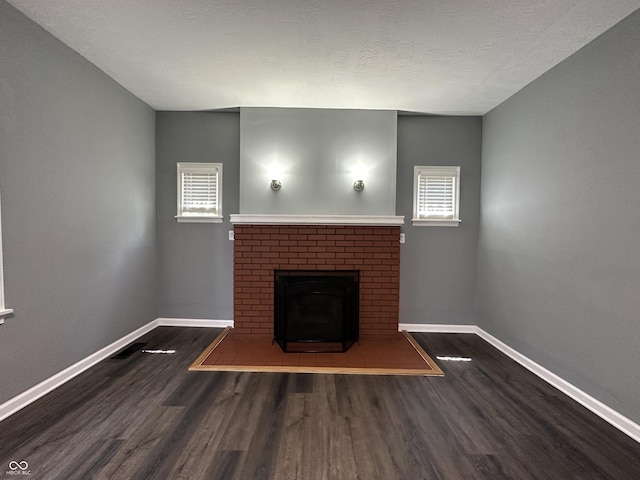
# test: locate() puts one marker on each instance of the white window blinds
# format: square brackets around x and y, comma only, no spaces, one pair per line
[199,191]
[436,194]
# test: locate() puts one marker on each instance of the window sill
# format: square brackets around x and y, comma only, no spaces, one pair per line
[195,219]
[3,313]
[421,222]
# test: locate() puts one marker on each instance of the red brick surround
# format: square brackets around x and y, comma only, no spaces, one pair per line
[261,249]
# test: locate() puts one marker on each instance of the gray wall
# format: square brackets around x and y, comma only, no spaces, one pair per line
[438,264]
[559,262]
[195,260]
[78,203]
[318,154]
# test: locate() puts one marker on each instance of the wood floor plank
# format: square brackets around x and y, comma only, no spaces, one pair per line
[147,417]
[264,435]
[196,460]
[90,464]
[134,452]
[289,461]
[384,457]
[223,465]
[162,462]
[323,431]
[246,412]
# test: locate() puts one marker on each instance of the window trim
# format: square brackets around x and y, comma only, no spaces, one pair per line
[185,167]
[440,170]
[4,311]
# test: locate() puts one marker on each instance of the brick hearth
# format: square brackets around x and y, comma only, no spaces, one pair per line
[259,250]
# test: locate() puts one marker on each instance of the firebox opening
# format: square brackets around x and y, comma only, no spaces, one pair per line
[316,311]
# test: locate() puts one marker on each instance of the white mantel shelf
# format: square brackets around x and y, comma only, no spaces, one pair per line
[266,219]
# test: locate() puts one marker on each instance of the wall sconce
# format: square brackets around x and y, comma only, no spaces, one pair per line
[358,185]
[276,185]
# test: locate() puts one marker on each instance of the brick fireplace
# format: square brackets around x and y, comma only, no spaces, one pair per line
[260,250]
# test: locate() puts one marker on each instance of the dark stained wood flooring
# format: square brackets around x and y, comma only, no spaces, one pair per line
[147,417]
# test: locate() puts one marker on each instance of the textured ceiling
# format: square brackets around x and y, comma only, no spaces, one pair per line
[430,56]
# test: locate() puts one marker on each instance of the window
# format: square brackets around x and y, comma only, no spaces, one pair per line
[3,310]
[436,196]
[199,192]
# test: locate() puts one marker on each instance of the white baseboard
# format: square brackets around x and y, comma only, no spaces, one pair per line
[25,398]
[193,322]
[436,328]
[619,421]
[605,412]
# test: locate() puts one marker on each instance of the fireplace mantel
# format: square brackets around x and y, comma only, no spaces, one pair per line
[268,219]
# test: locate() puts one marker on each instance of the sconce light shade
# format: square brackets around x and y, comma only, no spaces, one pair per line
[358,185]
[276,185]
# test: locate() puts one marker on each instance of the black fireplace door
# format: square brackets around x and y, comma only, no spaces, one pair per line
[316,311]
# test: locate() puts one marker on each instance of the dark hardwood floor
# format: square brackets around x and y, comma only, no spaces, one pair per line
[147,417]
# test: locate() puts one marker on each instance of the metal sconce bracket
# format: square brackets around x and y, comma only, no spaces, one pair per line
[276,185]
